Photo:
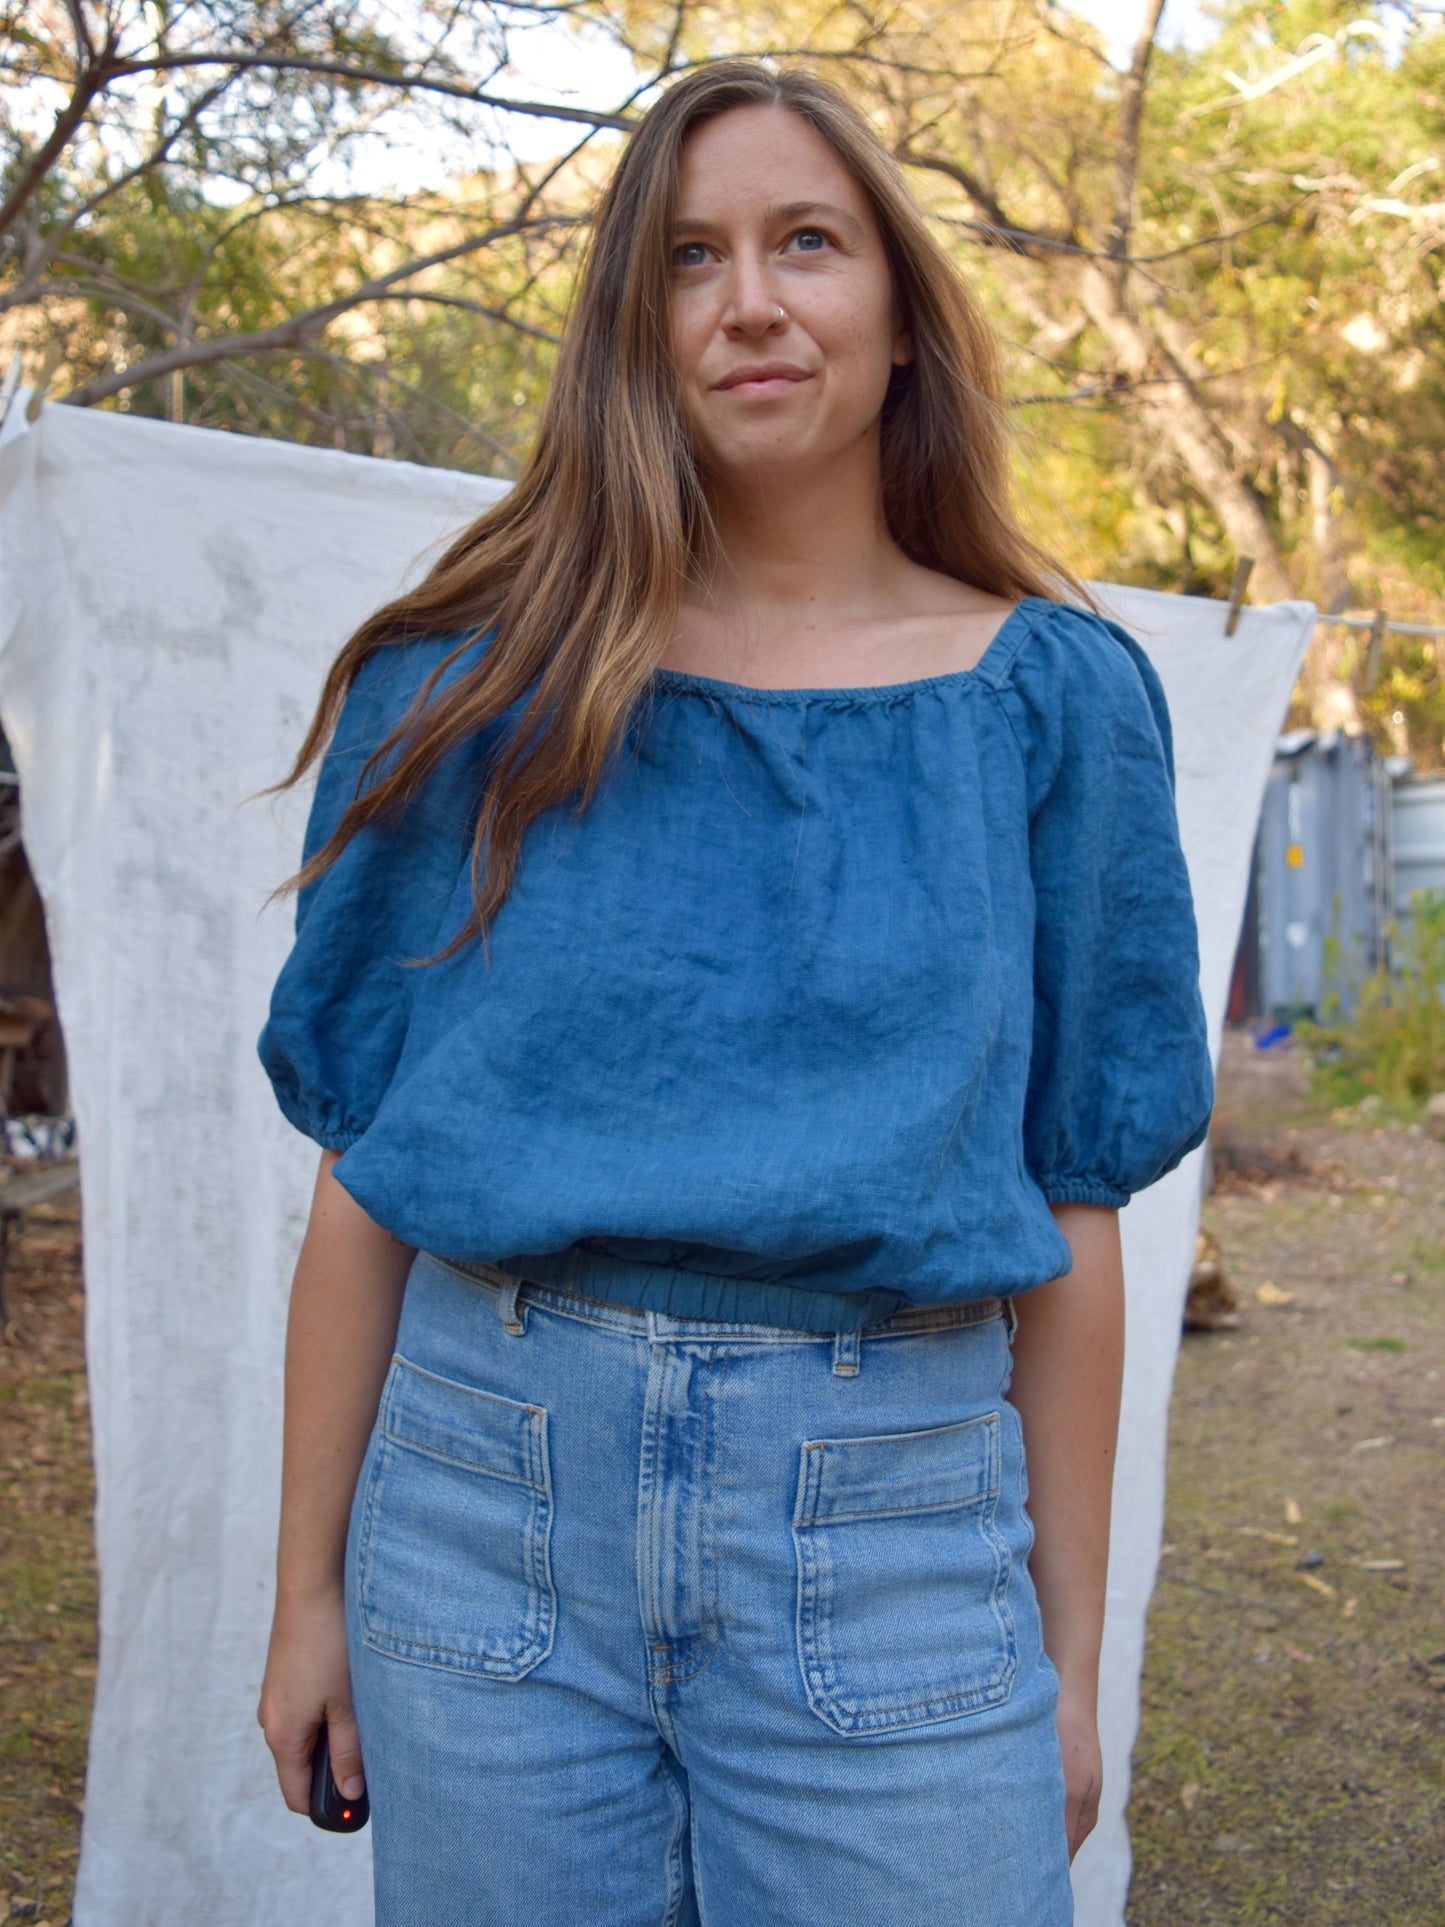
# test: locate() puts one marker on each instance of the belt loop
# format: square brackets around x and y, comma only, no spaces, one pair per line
[1011,1313]
[847,1352]
[512,1314]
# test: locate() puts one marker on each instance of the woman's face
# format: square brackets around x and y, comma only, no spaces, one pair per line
[768,217]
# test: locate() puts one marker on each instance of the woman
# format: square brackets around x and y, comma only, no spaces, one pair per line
[744,961]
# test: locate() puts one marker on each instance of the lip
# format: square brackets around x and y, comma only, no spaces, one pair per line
[764,377]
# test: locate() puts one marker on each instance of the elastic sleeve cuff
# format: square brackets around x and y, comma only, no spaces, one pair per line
[1083,1191]
[329,1137]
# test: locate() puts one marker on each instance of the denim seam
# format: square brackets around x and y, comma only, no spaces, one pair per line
[708,1617]
[1003,1569]
[648,1549]
[705,1645]
[404,1443]
[986,1496]
[676,1885]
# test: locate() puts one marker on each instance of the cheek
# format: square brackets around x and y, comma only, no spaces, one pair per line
[862,351]
[858,326]
[691,333]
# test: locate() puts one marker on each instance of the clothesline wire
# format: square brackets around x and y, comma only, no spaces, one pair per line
[1396,628]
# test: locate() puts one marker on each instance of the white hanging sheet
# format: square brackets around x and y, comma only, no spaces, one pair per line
[169,601]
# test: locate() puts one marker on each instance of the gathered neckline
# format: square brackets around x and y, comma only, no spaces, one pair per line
[686,680]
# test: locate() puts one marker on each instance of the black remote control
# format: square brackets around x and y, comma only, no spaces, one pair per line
[330,1807]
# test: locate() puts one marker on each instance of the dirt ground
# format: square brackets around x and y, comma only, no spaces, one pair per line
[1291,1760]
[47,1568]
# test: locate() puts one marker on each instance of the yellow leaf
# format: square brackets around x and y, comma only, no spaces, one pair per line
[1269,1293]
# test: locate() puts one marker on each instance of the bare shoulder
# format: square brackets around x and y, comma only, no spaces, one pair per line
[929,591]
[961,621]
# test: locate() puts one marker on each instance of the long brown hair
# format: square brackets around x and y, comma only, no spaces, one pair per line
[579,569]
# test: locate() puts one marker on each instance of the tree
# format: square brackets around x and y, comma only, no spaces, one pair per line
[181,224]
[1218,272]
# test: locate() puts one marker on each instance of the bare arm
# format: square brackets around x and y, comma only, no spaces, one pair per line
[345,1305]
[1068,1367]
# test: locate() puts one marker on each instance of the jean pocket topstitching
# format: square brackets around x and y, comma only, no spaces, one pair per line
[453,1554]
[903,1614]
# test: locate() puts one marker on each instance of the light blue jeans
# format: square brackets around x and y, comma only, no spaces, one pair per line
[656,1621]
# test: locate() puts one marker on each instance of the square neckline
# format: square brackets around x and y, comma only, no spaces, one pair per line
[686,679]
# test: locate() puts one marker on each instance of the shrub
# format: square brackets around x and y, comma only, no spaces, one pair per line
[1391,1042]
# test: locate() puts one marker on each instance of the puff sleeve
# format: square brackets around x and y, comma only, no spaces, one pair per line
[1121,1083]
[341,1004]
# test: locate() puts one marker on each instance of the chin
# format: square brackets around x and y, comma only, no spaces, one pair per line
[785,443]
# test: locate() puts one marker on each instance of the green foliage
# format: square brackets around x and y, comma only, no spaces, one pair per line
[1390,1042]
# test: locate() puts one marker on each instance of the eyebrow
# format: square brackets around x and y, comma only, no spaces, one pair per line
[778,211]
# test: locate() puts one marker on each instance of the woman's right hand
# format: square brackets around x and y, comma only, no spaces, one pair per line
[345,1303]
[308,1680]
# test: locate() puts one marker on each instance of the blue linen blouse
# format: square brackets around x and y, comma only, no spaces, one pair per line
[809,1015]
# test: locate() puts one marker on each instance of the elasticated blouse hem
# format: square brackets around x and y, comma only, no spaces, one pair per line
[704,1294]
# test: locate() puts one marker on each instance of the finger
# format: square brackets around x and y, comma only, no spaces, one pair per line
[346,1765]
[1083,1815]
[291,1750]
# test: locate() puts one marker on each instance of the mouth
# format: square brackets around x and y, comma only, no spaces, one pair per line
[773,378]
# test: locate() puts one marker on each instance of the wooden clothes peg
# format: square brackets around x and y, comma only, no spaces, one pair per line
[1372,654]
[49,362]
[1243,569]
[10,384]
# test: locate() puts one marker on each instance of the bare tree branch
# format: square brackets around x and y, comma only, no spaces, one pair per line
[85,46]
[468,428]
[242,61]
[91,80]
[997,228]
[48,250]
[298,330]
[1131,120]
[474,307]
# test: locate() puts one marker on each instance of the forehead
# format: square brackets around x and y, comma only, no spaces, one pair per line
[748,159]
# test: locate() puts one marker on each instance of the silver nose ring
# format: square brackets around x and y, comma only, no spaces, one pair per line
[782,314]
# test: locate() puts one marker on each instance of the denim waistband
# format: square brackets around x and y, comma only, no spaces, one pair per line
[514,1293]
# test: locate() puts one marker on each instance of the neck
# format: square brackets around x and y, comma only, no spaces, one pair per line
[799,546]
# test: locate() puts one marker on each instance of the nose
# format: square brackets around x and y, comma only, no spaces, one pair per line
[751,306]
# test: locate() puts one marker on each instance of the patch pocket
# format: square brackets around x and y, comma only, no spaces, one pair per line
[903,1610]
[453,1565]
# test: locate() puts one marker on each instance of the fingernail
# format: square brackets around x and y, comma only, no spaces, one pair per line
[354,1787]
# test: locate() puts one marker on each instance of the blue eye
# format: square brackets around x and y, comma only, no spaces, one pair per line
[817,234]
[682,249]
